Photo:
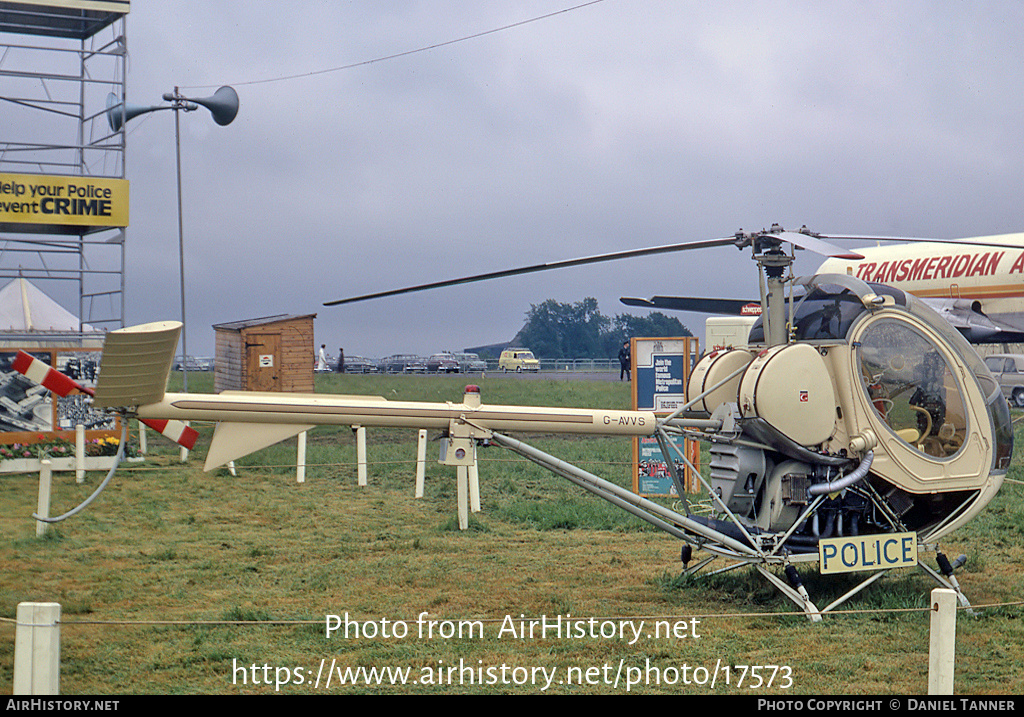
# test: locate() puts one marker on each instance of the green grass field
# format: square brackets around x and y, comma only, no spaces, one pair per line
[179,581]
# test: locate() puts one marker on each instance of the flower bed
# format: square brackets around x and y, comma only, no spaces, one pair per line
[28,457]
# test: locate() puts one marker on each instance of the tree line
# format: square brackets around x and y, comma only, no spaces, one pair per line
[556,330]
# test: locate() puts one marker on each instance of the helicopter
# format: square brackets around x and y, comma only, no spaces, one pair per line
[856,430]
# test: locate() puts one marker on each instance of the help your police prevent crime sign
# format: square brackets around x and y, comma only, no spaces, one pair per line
[63,200]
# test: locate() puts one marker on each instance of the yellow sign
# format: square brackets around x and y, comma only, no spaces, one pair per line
[867,552]
[63,201]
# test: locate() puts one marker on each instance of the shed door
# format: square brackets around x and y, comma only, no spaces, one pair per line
[263,362]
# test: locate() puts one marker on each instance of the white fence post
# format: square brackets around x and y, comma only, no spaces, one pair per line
[474,484]
[942,645]
[462,495]
[361,455]
[79,453]
[43,500]
[300,459]
[421,462]
[37,649]
[183,453]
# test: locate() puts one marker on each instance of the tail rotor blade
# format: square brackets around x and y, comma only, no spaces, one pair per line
[47,376]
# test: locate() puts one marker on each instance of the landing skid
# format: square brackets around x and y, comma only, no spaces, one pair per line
[793,587]
[738,546]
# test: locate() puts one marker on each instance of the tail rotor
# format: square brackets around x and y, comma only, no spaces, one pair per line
[61,385]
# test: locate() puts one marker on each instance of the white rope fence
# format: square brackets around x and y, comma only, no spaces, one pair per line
[38,637]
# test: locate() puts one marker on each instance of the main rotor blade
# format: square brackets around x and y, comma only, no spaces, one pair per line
[613,256]
[967,241]
[816,244]
[728,307]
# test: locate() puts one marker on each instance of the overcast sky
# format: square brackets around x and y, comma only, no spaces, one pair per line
[622,124]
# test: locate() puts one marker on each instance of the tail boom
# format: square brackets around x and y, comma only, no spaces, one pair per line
[137,361]
[324,409]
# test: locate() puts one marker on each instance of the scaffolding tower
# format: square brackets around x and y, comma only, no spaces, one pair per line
[62,68]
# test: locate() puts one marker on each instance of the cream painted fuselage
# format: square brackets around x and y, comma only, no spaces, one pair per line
[976,282]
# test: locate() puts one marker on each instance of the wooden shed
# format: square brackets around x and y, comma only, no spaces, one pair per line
[273,353]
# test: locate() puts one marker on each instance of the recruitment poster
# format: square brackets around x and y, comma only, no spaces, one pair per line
[661,370]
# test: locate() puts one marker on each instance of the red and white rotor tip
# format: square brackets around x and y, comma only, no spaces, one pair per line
[46,376]
[177,431]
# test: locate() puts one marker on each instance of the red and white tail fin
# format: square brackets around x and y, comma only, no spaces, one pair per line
[60,384]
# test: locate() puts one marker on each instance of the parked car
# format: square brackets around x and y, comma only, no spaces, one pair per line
[442,363]
[417,365]
[403,363]
[194,363]
[1008,370]
[359,364]
[518,360]
[470,363]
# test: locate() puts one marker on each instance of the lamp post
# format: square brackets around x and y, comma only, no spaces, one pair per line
[223,105]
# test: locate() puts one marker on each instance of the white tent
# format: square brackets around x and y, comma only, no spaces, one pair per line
[27,314]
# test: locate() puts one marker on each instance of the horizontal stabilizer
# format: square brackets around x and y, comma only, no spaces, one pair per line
[234,440]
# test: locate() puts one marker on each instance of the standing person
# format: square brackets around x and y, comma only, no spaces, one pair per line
[624,361]
[321,363]
[341,361]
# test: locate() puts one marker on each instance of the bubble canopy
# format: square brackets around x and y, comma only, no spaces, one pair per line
[906,374]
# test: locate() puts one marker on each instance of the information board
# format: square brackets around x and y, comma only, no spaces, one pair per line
[660,372]
[69,202]
[29,413]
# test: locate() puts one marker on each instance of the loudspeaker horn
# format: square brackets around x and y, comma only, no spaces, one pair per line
[118,114]
[223,105]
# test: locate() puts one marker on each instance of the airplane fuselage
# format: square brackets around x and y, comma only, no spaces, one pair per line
[987,272]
